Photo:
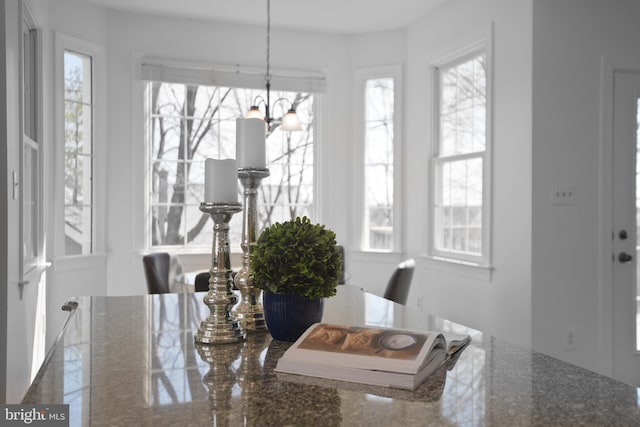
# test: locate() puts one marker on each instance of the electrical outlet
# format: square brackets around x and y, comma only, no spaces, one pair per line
[569,338]
[563,194]
[419,303]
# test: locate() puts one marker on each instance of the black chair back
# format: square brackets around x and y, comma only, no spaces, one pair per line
[202,282]
[398,286]
[156,270]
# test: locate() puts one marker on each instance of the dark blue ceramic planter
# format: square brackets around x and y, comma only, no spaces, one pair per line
[289,315]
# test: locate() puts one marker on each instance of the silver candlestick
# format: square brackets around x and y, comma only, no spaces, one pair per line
[250,311]
[221,326]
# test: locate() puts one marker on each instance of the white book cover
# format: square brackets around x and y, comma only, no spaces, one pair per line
[380,356]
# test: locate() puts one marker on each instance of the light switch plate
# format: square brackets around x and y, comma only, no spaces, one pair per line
[563,194]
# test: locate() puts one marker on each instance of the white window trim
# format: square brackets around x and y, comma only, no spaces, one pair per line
[31,17]
[360,78]
[64,42]
[206,73]
[480,41]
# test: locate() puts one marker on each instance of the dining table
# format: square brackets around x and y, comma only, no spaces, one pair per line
[133,361]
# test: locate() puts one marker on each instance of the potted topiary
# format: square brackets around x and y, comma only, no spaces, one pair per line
[297,265]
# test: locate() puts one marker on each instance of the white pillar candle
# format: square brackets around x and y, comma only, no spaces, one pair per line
[220,181]
[250,143]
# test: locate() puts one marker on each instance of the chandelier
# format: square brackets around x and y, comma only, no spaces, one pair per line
[290,120]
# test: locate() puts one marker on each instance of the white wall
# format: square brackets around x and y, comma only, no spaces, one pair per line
[5,202]
[10,208]
[569,40]
[499,305]
[132,37]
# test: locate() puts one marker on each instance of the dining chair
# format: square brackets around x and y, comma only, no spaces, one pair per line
[160,268]
[398,286]
[202,282]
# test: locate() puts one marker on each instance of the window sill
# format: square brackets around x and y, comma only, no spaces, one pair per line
[461,268]
[80,262]
[368,256]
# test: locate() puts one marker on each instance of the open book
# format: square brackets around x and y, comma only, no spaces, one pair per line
[370,355]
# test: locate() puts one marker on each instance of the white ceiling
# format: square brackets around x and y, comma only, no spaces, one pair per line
[332,16]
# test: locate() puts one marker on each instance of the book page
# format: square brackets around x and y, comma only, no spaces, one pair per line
[456,342]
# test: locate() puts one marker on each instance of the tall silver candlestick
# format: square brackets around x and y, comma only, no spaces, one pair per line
[221,326]
[250,311]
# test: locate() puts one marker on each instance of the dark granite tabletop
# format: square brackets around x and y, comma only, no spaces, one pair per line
[132,361]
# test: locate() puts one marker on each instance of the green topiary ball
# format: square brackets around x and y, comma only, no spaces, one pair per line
[297,257]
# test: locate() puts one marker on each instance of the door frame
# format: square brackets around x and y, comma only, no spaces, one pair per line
[609,66]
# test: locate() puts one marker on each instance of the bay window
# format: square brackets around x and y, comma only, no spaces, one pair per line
[190,122]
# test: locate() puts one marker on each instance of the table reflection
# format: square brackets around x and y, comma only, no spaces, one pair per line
[239,381]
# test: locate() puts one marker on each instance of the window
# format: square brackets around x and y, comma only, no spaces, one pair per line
[78,153]
[30,189]
[30,153]
[460,179]
[378,163]
[378,99]
[189,123]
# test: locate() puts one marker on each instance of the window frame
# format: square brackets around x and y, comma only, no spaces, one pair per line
[206,74]
[362,76]
[455,54]
[31,116]
[63,43]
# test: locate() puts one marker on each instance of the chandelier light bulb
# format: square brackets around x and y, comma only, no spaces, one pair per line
[254,113]
[290,121]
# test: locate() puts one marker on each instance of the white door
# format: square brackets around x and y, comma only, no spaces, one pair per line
[626,211]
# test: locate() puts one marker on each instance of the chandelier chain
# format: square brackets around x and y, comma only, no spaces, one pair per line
[267,77]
